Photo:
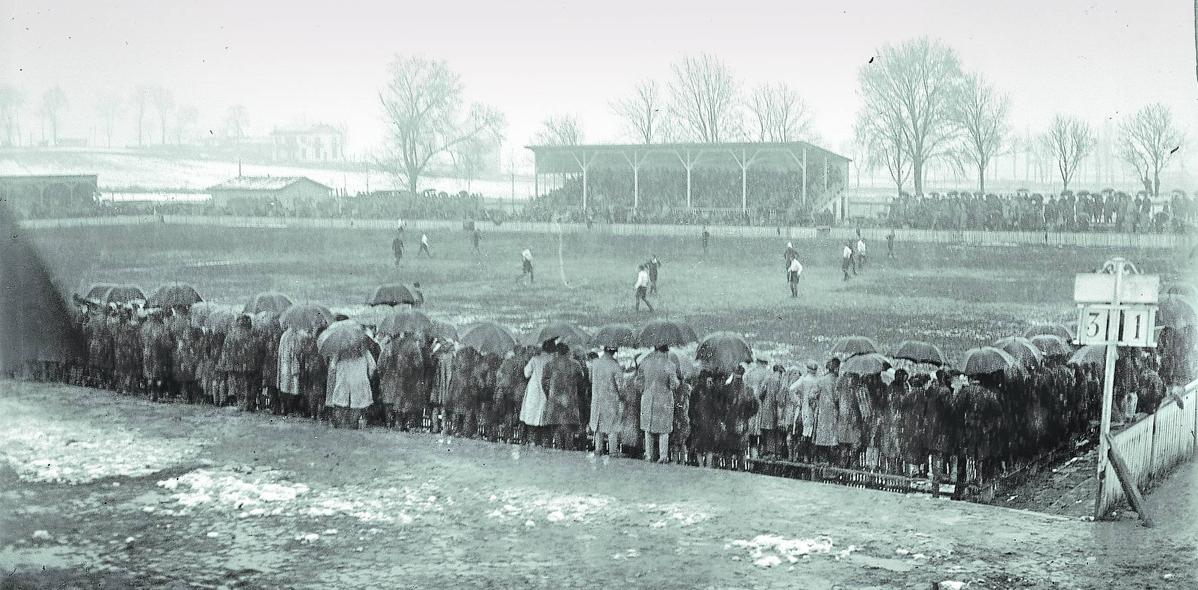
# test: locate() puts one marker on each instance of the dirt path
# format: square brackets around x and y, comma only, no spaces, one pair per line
[97,489]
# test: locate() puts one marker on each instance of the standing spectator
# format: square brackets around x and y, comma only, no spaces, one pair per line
[802,412]
[651,266]
[351,393]
[313,376]
[532,408]
[755,378]
[642,288]
[424,246]
[563,381]
[773,405]
[792,276]
[239,360]
[827,413]
[157,349]
[657,380]
[607,401]
[289,368]
[526,261]
[185,363]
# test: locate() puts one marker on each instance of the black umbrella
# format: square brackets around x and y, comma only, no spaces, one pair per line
[918,351]
[443,330]
[987,359]
[1175,312]
[1021,348]
[305,316]
[1052,345]
[268,301]
[172,295]
[666,333]
[406,321]
[865,364]
[723,351]
[97,291]
[564,332]
[392,294]
[1055,329]
[616,336]
[123,294]
[1090,354]
[851,345]
[340,337]
[489,338]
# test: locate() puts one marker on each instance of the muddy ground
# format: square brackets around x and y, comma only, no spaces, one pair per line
[101,490]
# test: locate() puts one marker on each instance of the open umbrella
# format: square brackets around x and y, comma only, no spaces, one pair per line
[265,321]
[1089,354]
[1055,329]
[174,294]
[443,330]
[267,301]
[340,337]
[392,294]
[1021,348]
[374,316]
[987,359]
[97,291]
[616,336]
[919,351]
[666,333]
[489,338]
[1173,311]
[562,331]
[723,351]
[865,364]
[406,321]
[851,345]
[220,319]
[1052,345]
[199,313]
[304,316]
[124,294]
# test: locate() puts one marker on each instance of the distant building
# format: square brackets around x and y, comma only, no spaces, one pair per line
[314,143]
[268,192]
[47,196]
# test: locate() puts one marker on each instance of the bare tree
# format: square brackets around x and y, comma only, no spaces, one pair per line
[164,105]
[185,120]
[237,122]
[779,113]
[914,86]
[643,112]
[885,147]
[1147,142]
[560,130]
[980,115]
[473,158]
[10,111]
[108,109]
[141,103]
[54,100]
[1068,141]
[704,98]
[423,112]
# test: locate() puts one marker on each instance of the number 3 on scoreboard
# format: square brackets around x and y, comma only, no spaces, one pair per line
[1096,324]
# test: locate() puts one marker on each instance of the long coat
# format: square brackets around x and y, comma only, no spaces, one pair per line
[289,363]
[127,349]
[156,350]
[99,342]
[772,397]
[401,375]
[186,355]
[801,415]
[313,372]
[443,362]
[607,397]
[351,383]
[854,411]
[510,384]
[827,412]
[532,408]
[657,379]
[717,405]
[563,382]
[754,385]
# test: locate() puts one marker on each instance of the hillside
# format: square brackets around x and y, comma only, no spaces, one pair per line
[129,169]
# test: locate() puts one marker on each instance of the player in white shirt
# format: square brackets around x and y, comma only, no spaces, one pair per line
[792,276]
[526,261]
[424,246]
[642,288]
[860,253]
[846,260]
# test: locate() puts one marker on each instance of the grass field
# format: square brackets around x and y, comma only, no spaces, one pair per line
[957,297]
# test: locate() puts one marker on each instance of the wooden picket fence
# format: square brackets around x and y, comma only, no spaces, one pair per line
[1154,445]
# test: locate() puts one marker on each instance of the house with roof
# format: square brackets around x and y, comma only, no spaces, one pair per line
[309,143]
[268,192]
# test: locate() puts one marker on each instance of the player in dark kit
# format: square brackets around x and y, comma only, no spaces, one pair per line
[706,239]
[652,266]
[397,248]
[476,237]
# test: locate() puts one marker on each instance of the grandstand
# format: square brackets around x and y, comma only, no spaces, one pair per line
[793,177]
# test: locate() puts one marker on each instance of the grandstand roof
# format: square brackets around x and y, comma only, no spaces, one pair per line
[262,183]
[569,158]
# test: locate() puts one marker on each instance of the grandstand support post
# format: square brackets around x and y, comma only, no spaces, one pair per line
[585,165]
[804,177]
[635,163]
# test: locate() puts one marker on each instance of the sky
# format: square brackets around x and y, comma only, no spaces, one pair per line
[292,62]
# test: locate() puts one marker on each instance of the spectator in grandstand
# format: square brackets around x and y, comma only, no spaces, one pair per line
[397,247]
[792,276]
[652,266]
[424,246]
[642,288]
[526,262]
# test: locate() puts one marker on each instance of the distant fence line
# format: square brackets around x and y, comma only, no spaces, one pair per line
[961,237]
